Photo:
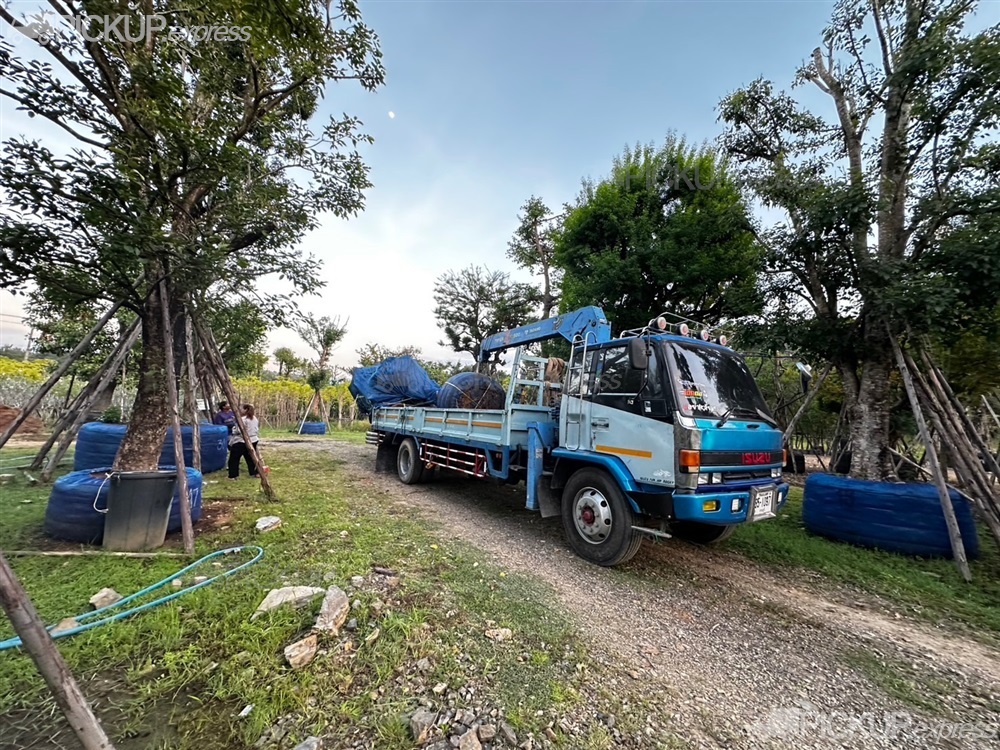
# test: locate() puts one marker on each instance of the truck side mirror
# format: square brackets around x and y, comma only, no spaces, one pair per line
[637,357]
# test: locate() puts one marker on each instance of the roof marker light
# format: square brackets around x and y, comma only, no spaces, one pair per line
[723,340]
[661,323]
[705,335]
[684,329]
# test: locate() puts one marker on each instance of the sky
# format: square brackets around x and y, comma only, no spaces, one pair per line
[491,103]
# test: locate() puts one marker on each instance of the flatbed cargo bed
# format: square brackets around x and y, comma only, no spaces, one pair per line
[502,428]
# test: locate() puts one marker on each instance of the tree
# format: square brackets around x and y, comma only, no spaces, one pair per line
[372,354]
[887,206]
[322,334]
[288,363]
[241,331]
[475,302]
[196,168]
[667,230]
[533,247]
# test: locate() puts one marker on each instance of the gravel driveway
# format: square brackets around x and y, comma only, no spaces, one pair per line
[737,656]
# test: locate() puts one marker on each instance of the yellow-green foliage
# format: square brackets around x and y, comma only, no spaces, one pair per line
[34,370]
[280,402]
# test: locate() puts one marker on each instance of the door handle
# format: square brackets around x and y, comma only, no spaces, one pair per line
[600,423]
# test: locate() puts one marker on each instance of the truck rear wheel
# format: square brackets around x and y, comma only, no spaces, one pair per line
[701,533]
[597,519]
[408,464]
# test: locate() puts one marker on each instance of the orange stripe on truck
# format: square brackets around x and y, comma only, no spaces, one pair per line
[622,451]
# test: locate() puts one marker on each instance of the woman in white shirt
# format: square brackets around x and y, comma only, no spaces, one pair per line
[238,448]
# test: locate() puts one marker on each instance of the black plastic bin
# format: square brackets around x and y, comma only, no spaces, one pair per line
[138,510]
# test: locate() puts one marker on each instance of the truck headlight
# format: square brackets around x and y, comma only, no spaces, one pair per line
[704,479]
[775,473]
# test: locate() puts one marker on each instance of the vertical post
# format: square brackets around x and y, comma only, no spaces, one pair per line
[192,389]
[187,529]
[42,650]
[957,547]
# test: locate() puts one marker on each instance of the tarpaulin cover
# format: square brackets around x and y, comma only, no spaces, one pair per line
[397,380]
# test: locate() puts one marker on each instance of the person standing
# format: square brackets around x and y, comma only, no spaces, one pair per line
[238,448]
[225,416]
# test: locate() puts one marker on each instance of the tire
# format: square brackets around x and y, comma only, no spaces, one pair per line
[597,519]
[313,428]
[70,513]
[903,518]
[701,533]
[408,465]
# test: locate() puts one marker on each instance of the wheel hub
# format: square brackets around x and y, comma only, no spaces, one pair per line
[592,515]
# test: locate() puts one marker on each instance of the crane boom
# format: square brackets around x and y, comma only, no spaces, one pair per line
[580,322]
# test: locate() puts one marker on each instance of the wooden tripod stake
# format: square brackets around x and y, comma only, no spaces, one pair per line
[42,650]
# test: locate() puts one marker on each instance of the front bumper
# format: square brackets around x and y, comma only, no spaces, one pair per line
[691,506]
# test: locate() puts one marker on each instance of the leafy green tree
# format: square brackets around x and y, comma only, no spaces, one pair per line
[890,207]
[241,331]
[667,230]
[372,354]
[533,247]
[288,363]
[475,302]
[196,168]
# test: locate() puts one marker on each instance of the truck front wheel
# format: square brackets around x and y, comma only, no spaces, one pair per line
[408,465]
[597,519]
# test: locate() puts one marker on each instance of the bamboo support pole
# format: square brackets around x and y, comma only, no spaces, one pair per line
[42,650]
[81,414]
[954,535]
[192,389]
[215,359]
[187,528]
[47,386]
[85,398]
[806,403]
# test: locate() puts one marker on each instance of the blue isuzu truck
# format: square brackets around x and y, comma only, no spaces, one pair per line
[657,432]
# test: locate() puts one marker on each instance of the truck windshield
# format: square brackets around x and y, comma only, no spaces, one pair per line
[712,382]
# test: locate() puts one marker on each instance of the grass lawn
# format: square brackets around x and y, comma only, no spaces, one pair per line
[930,589]
[178,676]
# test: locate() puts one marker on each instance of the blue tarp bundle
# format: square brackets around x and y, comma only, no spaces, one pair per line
[397,380]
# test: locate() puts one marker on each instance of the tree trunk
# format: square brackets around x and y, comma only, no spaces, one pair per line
[869,415]
[140,450]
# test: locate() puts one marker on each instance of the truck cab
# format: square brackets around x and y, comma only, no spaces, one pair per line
[674,435]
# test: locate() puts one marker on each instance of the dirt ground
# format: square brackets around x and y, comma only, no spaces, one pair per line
[737,655]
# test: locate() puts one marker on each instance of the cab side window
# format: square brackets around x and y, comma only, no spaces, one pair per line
[616,376]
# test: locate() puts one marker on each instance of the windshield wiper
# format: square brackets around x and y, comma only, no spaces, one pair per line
[766,418]
[755,412]
[725,417]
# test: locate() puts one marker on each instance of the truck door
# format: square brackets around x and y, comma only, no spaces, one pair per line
[631,418]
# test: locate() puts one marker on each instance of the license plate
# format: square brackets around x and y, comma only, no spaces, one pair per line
[763,502]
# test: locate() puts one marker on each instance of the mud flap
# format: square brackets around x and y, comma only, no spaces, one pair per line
[385,458]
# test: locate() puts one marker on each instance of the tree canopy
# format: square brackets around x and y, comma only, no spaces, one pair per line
[197,166]
[666,230]
[475,302]
[890,201]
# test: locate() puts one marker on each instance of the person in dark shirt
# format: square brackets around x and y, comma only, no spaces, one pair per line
[225,416]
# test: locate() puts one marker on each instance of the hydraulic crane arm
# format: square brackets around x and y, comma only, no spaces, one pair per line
[588,322]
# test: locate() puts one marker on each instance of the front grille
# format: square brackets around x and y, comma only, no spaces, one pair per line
[743,476]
